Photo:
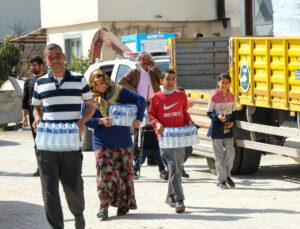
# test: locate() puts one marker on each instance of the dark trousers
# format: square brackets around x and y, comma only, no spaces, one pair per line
[150,142]
[65,167]
[31,121]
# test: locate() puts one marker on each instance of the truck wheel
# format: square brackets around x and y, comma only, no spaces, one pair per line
[86,140]
[235,167]
[236,161]
[211,165]
[250,160]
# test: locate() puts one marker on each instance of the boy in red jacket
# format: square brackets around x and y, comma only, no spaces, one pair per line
[168,108]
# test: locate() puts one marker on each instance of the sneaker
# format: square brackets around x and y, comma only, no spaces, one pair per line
[180,208]
[135,175]
[37,173]
[230,182]
[103,213]
[162,174]
[222,185]
[170,201]
[184,174]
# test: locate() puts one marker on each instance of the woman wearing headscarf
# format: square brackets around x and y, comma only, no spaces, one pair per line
[113,144]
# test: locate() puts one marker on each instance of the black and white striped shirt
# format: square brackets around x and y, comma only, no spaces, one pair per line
[61,102]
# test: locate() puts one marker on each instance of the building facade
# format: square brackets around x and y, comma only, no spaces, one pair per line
[74,23]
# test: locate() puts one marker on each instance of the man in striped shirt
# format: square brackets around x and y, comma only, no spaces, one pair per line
[57,97]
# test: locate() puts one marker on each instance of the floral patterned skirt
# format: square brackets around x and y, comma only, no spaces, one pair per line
[115,177]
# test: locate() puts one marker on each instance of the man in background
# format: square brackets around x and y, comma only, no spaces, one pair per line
[145,81]
[36,67]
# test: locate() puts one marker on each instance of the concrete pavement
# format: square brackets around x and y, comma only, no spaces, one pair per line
[267,199]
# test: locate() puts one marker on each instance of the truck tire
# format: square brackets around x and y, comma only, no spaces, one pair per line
[236,163]
[250,160]
[86,140]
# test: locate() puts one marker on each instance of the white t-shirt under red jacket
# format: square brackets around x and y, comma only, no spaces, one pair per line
[170,110]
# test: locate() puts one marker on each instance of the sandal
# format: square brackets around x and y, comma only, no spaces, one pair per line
[103,213]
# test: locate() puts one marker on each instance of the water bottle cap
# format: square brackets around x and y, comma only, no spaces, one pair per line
[41,122]
[55,123]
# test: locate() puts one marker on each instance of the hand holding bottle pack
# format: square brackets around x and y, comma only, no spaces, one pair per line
[178,137]
[122,115]
[57,137]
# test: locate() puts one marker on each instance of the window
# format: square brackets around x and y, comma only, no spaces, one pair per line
[107,69]
[73,47]
[123,69]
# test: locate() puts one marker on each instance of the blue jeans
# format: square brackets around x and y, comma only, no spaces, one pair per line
[155,153]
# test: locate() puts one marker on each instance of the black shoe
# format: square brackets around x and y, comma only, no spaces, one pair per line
[121,211]
[170,201]
[37,173]
[230,182]
[79,222]
[222,185]
[184,174]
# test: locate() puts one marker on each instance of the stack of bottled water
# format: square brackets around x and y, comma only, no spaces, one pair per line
[122,115]
[57,137]
[178,137]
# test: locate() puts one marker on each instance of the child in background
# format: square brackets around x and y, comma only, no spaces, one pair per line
[221,111]
[168,108]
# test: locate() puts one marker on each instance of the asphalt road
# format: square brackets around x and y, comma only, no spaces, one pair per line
[267,199]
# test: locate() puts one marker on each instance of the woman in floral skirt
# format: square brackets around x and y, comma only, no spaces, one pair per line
[113,145]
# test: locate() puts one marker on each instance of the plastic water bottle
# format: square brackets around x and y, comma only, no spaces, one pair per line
[189,135]
[62,137]
[68,128]
[75,137]
[53,146]
[40,136]
[48,136]
[162,141]
[182,137]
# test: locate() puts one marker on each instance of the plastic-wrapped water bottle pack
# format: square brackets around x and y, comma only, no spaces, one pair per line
[57,136]
[178,137]
[122,115]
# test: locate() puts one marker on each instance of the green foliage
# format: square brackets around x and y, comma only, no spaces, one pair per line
[9,58]
[79,65]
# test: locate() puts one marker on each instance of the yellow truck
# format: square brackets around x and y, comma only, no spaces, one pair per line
[265,74]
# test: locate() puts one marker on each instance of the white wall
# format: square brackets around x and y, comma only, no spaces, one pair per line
[56,13]
[87,32]
[169,10]
[233,11]
[23,13]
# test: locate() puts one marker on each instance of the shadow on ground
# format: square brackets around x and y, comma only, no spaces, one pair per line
[8,143]
[11,174]
[17,214]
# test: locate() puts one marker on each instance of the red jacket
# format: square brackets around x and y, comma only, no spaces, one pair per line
[169,110]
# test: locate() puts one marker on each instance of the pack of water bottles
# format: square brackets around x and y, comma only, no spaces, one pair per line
[122,115]
[178,137]
[57,136]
